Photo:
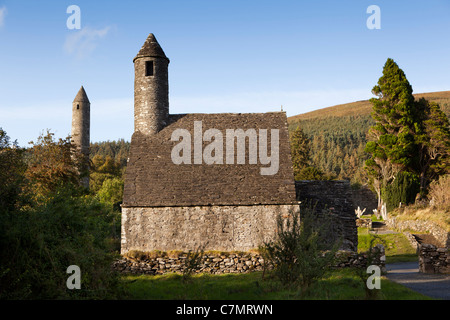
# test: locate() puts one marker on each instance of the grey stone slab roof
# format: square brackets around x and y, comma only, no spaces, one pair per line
[153,179]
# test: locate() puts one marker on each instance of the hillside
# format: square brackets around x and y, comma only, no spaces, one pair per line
[364,108]
[338,135]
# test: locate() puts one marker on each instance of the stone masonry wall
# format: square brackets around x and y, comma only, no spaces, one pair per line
[433,259]
[222,228]
[231,228]
[365,198]
[337,197]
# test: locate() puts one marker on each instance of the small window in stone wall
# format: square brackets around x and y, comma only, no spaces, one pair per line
[78,106]
[148,68]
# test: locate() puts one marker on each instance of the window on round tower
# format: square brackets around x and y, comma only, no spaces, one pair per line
[148,68]
[78,106]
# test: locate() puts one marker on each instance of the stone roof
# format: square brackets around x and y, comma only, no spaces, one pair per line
[153,179]
[81,96]
[151,48]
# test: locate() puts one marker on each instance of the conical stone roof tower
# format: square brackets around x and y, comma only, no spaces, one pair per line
[151,88]
[81,122]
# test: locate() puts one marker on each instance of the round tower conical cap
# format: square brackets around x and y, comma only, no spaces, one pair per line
[81,96]
[151,48]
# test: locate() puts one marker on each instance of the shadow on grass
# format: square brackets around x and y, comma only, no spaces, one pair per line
[337,285]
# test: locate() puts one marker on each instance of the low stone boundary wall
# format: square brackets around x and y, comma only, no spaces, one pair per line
[215,264]
[421,226]
[364,223]
[412,240]
[433,259]
[229,263]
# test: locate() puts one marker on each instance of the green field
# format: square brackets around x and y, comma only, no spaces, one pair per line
[341,284]
[337,285]
[397,247]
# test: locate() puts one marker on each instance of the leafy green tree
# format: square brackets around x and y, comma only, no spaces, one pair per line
[51,164]
[410,141]
[111,192]
[392,146]
[433,139]
[12,168]
[47,224]
[38,244]
[103,168]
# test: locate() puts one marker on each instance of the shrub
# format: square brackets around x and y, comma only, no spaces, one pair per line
[371,254]
[111,192]
[438,192]
[12,167]
[192,262]
[301,254]
[39,244]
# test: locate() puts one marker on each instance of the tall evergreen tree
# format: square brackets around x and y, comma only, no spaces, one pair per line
[433,139]
[300,150]
[392,146]
[410,140]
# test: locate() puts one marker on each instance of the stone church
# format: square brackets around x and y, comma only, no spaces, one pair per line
[181,190]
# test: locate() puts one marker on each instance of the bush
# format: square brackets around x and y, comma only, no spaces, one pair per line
[192,262]
[371,254]
[300,254]
[12,167]
[439,192]
[37,245]
[111,192]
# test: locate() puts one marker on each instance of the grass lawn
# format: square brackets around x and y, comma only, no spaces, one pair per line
[338,285]
[396,245]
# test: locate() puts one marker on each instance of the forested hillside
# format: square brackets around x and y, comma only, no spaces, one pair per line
[338,135]
[117,150]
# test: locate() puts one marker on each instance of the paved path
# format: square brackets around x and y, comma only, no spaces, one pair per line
[407,274]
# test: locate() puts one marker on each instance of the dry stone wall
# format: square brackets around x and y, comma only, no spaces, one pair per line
[433,259]
[364,222]
[229,262]
[421,226]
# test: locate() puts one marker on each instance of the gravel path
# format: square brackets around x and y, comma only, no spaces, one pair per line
[432,285]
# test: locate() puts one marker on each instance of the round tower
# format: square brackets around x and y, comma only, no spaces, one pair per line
[81,122]
[151,88]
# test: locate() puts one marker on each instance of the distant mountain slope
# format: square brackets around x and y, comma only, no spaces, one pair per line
[364,107]
[338,135]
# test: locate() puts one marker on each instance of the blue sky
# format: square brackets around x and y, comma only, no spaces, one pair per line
[226,56]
